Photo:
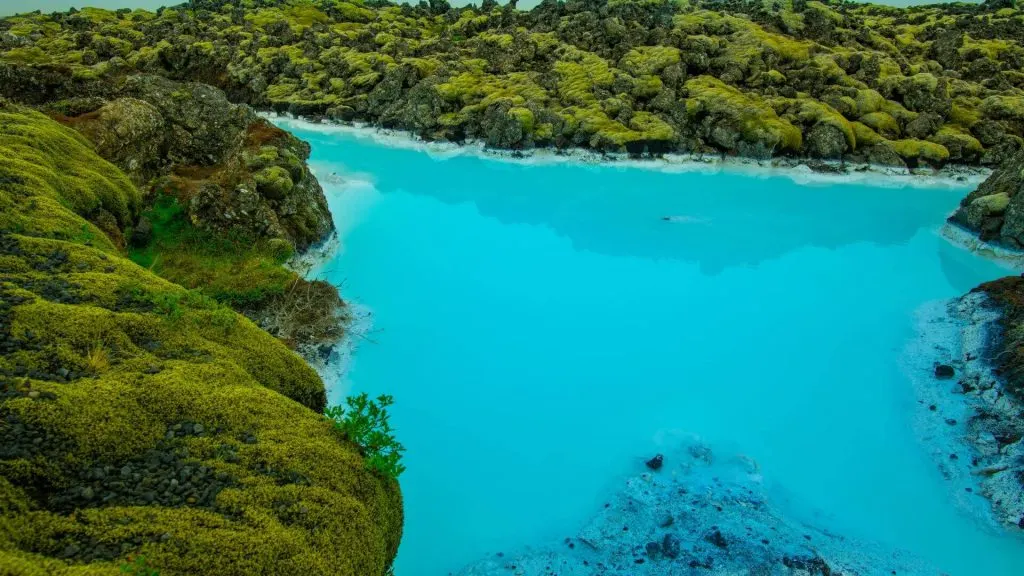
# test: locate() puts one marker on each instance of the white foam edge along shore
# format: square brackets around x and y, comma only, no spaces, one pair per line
[701,512]
[956,415]
[796,169]
[970,241]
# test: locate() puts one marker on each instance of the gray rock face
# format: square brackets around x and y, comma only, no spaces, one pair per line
[130,134]
[825,141]
[723,523]
[995,210]
[204,126]
[884,155]
[924,125]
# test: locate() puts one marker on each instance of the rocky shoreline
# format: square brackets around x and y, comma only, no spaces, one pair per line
[694,511]
[800,170]
[924,85]
[973,427]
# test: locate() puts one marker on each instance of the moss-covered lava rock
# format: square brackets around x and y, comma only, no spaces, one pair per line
[924,85]
[227,199]
[143,422]
[995,210]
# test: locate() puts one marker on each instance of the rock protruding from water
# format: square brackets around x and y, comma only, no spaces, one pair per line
[995,210]
[721,521]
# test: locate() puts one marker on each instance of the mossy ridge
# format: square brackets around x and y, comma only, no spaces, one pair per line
[60,166]
[103,360]
[452,73]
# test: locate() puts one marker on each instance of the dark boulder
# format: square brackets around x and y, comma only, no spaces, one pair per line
[670,546]
[656,463]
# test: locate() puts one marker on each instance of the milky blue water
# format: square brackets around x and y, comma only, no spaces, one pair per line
[540,326]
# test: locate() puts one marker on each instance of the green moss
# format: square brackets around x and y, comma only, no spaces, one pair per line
[756,121]
[775,78]
[811,112]
[524,116]
[1004,107]
[868,101]
[991,49]
[993,203]
[274,182]
[607,134]
[919,150]
[235,270]
[882,123]
[865,135]
[647,86]
[750,41]
[649,59]
[144,355]
[651,127]
[59,166]
[825,11]
[964,114]
[474,91]
[351,12]
[579,74]
[860,60]
[959,140]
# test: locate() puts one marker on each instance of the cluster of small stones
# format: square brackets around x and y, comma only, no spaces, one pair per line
[10,343]
[163,476]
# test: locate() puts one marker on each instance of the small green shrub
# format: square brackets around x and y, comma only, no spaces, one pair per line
[139,567]
[366,423]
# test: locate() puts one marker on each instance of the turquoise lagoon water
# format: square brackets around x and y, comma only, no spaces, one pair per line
[542,328]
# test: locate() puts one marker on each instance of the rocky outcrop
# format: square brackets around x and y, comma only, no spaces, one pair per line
[220,181]
[995,210]
[144,427]
[233,171]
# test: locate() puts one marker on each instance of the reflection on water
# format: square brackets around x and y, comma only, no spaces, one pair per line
[717,220]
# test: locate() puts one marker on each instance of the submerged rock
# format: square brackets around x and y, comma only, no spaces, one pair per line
[944,371]
[656,462]
[724,522]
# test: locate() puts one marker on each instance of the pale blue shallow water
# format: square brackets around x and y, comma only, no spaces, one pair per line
[540,326]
